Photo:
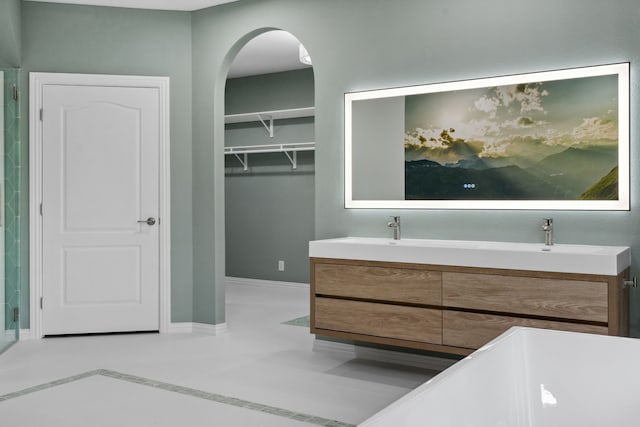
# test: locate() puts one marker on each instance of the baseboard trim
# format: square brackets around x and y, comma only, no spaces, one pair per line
[204,328]
[241,281]
[198,328]
[381,355]
[174,328]
[25,334]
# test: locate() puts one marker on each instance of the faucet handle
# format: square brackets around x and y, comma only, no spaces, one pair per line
[547,222]
[395,225]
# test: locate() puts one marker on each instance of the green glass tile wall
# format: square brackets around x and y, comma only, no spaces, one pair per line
[11,189]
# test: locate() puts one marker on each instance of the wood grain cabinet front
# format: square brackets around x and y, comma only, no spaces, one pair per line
[543,297]
[473,330]
[457,309]
[379,320]
[380,283]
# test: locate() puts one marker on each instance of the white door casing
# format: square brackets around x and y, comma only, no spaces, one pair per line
[98,269]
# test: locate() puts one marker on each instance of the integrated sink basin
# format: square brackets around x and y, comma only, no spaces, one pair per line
[560,258]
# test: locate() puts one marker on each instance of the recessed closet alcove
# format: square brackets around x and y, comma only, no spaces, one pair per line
[269,161]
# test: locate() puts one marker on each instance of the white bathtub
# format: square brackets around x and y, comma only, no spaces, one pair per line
[530,378]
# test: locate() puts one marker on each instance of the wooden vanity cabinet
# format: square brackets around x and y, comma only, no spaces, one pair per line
[456,309]
[379,282]
[397,322]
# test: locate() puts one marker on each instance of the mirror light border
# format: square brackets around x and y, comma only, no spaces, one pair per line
[623,202]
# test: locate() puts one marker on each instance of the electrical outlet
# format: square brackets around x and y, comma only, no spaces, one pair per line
[281,265]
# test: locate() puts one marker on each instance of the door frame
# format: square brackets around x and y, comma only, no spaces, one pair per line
[37,81]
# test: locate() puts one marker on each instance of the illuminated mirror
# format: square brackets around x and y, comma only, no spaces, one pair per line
[548,140]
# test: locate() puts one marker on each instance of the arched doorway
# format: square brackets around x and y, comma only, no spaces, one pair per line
[269,163]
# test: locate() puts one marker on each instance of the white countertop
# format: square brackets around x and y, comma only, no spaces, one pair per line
[581,259]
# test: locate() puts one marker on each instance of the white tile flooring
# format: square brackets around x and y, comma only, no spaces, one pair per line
[261,373]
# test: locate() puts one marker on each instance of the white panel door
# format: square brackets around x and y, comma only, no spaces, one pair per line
[100,171]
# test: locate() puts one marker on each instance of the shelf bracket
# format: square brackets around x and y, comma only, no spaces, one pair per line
[293,158]
[244,160]
[268,127]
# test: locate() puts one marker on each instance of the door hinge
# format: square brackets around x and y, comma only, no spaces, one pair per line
[16,314]
[41,300]
[14,92]
[41,114]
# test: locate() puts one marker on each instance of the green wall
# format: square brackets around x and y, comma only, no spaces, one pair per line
[365,44]
[10,33]
[355,45]
[103,40]
[274,91]
[269,209]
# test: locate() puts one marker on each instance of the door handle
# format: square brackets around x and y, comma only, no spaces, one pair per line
[149,221]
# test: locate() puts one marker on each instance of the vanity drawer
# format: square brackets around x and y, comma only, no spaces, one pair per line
[380,320]
[559,298]
[406,285]
[473,330]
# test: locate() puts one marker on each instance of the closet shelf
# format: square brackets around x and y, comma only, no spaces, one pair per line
[290,150]
[267,117]
[291,113]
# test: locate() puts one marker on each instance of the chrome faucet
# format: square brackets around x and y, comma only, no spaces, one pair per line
[547,227]
[395,224]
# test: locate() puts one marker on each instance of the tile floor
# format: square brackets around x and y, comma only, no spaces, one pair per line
[264,372]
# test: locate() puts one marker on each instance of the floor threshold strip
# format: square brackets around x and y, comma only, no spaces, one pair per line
[214,397]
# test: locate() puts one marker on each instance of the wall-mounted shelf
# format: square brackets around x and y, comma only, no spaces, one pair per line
[267,117]
[290,150]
